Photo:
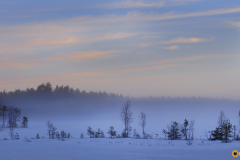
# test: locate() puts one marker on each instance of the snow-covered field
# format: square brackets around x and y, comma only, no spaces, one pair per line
[115,149]
[105,148]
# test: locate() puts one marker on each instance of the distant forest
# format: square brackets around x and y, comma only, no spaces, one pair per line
[47,91]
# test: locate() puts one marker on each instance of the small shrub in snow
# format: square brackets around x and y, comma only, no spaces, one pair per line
[135,134]
[202,143]
[68,135]
[38,137]
[81,135]
[58,135]
[118,136]
[16,136]
[63,135]
[111,132]
[189,142]
[147,136]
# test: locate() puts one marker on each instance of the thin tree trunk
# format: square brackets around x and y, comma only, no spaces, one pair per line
[3,120]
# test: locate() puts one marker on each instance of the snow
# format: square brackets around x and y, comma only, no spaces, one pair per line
[115,149]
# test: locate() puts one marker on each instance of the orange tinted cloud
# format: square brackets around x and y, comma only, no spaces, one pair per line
[52,41]
[184,40]
[171,47]
[57,41]
[135,4]
[77,56]
[150,68]
[186,59]
[13,65]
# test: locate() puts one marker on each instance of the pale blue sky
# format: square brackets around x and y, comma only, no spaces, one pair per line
[136,48]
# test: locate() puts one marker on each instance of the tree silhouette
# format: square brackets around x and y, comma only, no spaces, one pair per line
[142,122]
[126,117]
[3,110]
[24,122]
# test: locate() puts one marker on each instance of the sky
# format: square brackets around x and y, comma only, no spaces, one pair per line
[138,48]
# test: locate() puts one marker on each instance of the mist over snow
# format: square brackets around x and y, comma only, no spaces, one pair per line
[75,111]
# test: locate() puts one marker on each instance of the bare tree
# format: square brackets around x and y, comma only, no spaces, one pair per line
[126,117]
[191,130]
[51,130]
[142,122]
[221,120]
[11,121]
[206,134]
[239,121]
[165,133]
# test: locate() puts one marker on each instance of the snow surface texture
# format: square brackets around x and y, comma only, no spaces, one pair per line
[115,149]
[106,148]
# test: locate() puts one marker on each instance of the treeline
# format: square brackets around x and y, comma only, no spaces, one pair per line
[48,91]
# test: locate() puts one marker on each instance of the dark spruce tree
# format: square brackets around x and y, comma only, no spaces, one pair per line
[185,124]
[174,131]
[111,132]
[227,131]
[3,111]
[24,122]
[90,132]
[216,134]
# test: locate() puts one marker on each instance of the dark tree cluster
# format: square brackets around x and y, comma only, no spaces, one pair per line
[111,132]
[54,134]
[174,131]
[180,131]
[97,134]
[12,114]
[224,129]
